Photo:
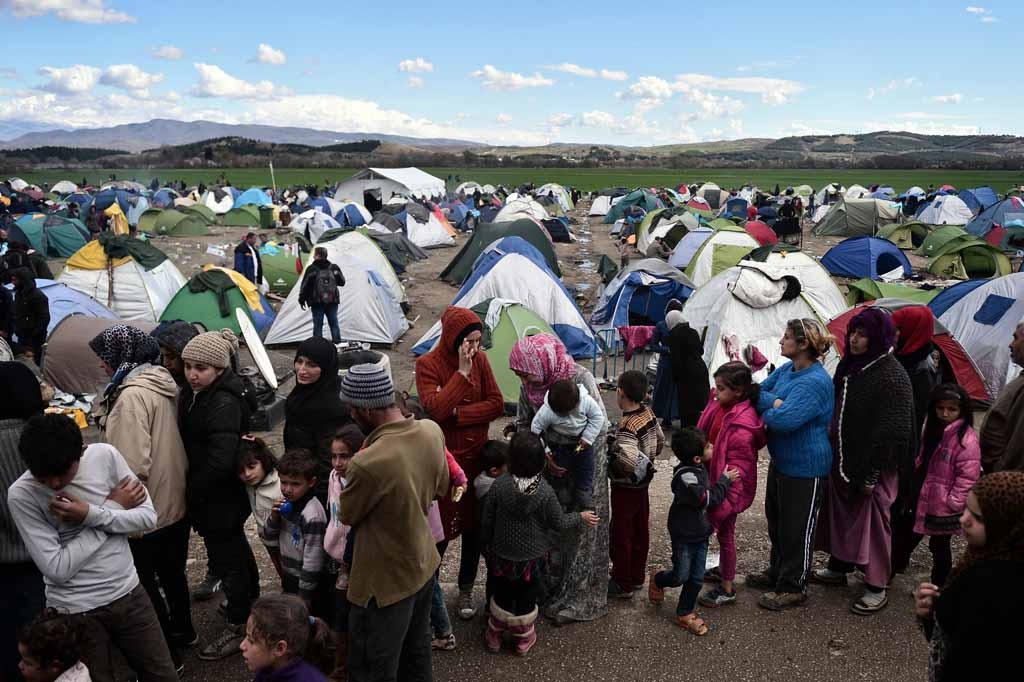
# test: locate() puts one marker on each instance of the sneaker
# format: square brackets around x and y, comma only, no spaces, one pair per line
[205,590]
[465,605]
[717,597]
[226,644]
[655,594]
[617,592]
[713,575]
[780,601]
[826,576]
[444,643]
[761,581]
[869,603]
[184,640]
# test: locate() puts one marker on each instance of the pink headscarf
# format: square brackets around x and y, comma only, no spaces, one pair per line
[544,356]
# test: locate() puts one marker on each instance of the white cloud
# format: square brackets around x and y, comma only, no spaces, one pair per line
[610,75]
[577,70]
[169,52]
[493,79]
[736,126]
[415,82]
[268,55]
[129,77]
[773,91]
[955,98]
[893,85]
[73,79]
[90,111]
[597,119]
[922,127]
[215,82]
[988,20]
[977,10]
[559,120]
[871,93]
[714,134]
[418,65]
[78,11]
[714,106]
[649,88]
[503,119]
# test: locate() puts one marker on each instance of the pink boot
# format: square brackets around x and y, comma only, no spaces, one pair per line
[497,623]
[522,628]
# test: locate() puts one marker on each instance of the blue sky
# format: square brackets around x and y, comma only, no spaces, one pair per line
[522,73]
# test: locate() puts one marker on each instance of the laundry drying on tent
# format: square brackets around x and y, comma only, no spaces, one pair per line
[210,298]
[865,256]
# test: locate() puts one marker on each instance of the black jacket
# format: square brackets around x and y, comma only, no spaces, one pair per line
[688,369]
[212,422]
[31,308]
[307,290]
[691,498]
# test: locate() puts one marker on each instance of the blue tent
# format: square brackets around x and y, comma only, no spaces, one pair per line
[254,196]
[318,203]
[164,198]
[83,200]
[350,216]
[949,296]
[1008,213]
[65,301]
[105,198]
[979,198]
[642,290]
[736,207]
[865,256]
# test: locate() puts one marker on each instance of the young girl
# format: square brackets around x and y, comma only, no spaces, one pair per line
[520,511]
[50,648]
[950,462]
[732,424]
[283,643]
[256,468]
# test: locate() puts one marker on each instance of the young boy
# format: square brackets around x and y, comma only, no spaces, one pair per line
[638,441]
[688,525]
[296,525]
[494,458]
[569,421]
[75,509]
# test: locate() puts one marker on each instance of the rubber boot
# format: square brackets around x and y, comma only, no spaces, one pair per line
[522,628]
[340,672]
[497,623]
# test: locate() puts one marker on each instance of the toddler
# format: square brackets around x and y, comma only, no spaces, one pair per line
[258,471]
[50,648]
[569,421]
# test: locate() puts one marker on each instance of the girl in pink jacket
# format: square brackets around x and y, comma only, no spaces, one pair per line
[950,463]
[731,422]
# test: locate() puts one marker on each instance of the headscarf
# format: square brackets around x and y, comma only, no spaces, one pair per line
[124,348]
[673,318]
[456,324]
[916,325]
[20,397]
[542,355]
[877,325]
[673,304]
[1001,498]
[320,400]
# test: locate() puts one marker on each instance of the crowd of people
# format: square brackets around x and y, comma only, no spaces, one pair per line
[357,511]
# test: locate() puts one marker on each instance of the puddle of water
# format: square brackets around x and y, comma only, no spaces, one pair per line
[580,287]
[584,264]
[583,240]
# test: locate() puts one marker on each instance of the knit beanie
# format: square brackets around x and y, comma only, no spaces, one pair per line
[212,348]
[368,386]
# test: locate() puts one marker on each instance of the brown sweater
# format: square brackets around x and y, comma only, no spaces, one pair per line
[391,484]
[1002,435]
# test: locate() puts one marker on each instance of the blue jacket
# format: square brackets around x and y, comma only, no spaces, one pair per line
[251,266]
[798,430]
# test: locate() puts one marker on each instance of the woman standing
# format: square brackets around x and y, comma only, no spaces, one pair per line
[796,404]
[872,436]
[581,558]
[314,411]
[137,414]
[457,389]
[693,388]
[214,414]
[664,399]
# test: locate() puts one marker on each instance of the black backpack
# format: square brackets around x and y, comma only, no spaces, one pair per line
[325,288]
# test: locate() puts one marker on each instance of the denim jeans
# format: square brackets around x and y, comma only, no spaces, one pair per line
[330,310]
[687,570]
[440,624]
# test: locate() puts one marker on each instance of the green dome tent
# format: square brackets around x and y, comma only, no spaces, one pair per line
[210,298]
[177,224]
[969,258]
[939,238]
[638,197]
[906,235]
[242,216]
[53,236]
[147,221]
[201,211]
[867,289]
[281,270]
[485,234]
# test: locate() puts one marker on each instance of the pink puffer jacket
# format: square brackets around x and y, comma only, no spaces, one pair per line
[741,437]
[953,470]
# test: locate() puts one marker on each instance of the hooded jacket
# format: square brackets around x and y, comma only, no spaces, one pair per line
[516,525]
[248,262]
[31,307]
[953,469]
[741,437]
[140,420]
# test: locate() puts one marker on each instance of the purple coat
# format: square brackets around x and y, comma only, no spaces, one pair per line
[953,469]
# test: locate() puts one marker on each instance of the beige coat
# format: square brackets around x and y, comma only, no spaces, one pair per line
[141,421]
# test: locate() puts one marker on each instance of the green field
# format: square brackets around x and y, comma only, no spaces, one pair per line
[585,179]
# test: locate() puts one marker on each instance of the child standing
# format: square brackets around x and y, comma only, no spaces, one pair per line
[638,441]
[950,462]
[737,433]
[51,649]
[569,420]
[296,525]
[494,458]
[258,472]
[520,511]
[284,644]
[688,525]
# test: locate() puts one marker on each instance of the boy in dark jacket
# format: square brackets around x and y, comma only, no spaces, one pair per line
[688,525]
[31,313]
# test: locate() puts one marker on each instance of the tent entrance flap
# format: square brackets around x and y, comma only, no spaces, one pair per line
[372,199]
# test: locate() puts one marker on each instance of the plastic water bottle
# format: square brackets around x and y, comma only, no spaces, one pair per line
[286,507]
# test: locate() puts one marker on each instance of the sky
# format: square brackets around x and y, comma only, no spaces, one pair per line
[524,73]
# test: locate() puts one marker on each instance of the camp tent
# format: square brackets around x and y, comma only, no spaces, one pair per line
[174,223]
[64,187]
[978,198]
[956,364]
[668,223]
[485,234]
[946,210]
[600,205]
[939,237]
[397,249]
[131,277]
[117,221]
[220,200]
[523,207]
[165,197]
[909,235]
[869,290]
[856,192]
[242,216]
[639,197]
[352,214]
[525,279]
[200,211]
[865,257]
[372,187]
[723,249]
[136,208]
[688,246]
[429,233]
[760,231]
[749,305]
[560,194]
[52,235]
[850,217]
[968,258]
[281,268]
[639,293]
[65,301]
[71,365]
[254,196]
[713,195]
[1007,214]
[312,224]
[211,297]
[950,295]
[829,193]
[371,300]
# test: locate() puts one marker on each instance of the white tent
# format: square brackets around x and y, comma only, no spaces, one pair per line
[946,210]
[688,246]
[647,236]
[136,208]
[820,212]
[383,183]
[749,301]
[560,194]
[138,294]
[64,187]
[219,206]
[428,234]
[312,224]
[17,184]
[983,322]
[856,192]
[521,207]
[721,250]
[468,188]
[827,193]
[601,205]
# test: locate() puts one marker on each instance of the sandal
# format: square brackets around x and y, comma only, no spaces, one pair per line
[863,608]
[692,624]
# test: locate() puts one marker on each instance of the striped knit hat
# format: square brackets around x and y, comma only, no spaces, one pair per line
[368,386]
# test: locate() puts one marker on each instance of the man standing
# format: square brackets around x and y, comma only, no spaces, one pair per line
[247,259]
[1002,436]
[399,471]
[319,290]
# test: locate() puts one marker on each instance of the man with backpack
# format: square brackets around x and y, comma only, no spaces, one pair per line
[319,290]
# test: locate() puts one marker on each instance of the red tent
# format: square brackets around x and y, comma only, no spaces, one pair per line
[955,358]
[760,231]
[699,203]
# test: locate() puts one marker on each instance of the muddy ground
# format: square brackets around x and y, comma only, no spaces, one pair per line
[635,641]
